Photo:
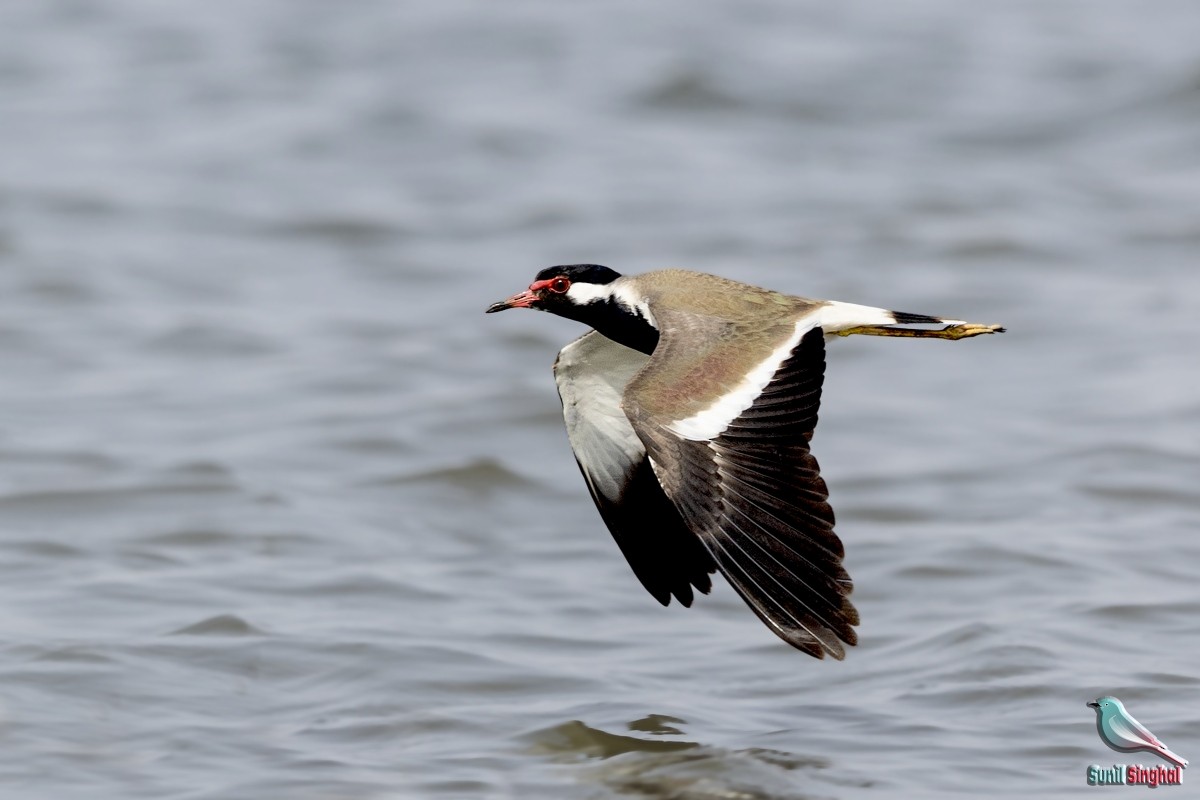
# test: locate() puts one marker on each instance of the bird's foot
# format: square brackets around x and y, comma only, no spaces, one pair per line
[963,330]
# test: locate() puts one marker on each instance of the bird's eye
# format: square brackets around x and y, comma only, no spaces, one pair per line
[559,285]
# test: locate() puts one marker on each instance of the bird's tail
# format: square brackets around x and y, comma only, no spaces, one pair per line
[1167,754]
[836,316]
[846,319]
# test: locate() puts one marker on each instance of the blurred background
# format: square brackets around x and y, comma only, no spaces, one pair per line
[282,513]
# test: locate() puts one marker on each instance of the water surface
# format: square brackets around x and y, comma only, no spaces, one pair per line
[283,514]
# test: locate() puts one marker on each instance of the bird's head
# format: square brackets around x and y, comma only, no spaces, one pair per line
[1106,703]
[564,290]
[594,295]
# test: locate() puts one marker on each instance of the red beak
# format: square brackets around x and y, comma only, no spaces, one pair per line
[522,300]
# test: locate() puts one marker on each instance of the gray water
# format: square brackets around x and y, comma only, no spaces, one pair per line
[283,514]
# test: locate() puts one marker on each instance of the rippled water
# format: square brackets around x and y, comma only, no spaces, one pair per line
[282,514]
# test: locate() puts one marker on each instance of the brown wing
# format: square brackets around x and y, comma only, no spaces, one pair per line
[752,492]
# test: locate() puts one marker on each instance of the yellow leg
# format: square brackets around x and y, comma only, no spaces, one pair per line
[964,330]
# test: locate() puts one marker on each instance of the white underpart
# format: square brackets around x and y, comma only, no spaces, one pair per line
[582,294]
[712,421]
[592,373]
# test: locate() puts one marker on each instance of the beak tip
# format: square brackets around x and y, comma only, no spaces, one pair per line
[525,299]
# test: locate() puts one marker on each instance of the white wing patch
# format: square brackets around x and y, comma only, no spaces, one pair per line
[592,373]
[831,317]
[712,421]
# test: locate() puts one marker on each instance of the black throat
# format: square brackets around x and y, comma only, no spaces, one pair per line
[615,321]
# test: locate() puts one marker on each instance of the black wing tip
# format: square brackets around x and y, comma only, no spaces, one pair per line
[816,647]
[818,650]
[684,594]
[793,621]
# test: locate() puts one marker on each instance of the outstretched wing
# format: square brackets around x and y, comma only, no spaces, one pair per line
[666,556]
[740,471]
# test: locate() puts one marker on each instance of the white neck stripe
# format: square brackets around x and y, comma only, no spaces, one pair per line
[618,291]
[582,294]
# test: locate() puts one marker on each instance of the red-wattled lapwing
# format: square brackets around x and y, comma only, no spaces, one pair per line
[690,408]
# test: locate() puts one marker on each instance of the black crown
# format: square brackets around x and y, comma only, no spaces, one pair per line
[580,273]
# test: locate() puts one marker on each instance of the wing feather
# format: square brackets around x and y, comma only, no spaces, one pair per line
[753,493]
[665,555]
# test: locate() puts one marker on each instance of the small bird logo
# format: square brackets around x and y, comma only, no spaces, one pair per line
[1120,731]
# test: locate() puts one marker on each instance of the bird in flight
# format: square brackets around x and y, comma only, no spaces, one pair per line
[690,407]
[1120,731]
